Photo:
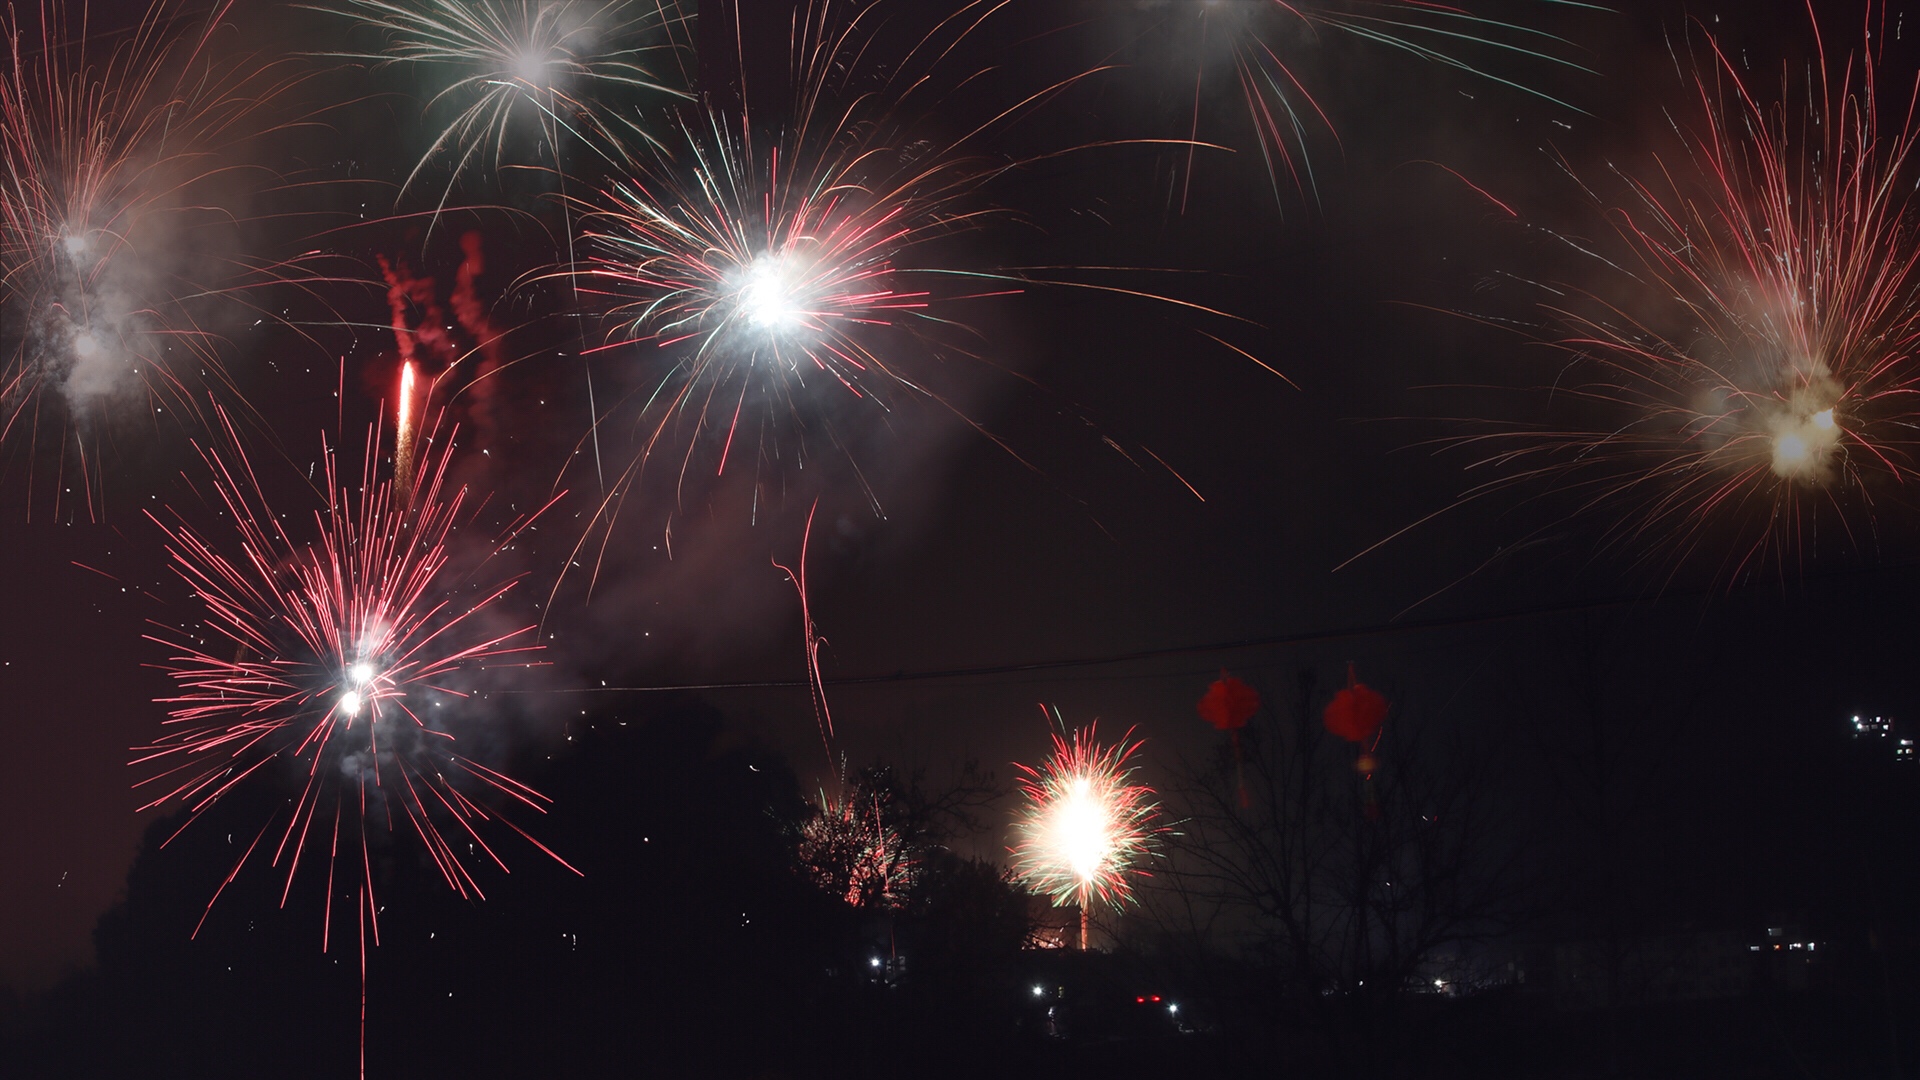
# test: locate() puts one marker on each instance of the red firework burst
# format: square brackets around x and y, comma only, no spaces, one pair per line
[342,662]
[111,145]
[1761,373]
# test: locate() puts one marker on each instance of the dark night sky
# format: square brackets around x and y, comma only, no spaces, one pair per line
[982,560]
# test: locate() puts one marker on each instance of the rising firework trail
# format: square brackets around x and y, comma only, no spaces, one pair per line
[341,662]
[115,150]
[1086,825]
[1749,368]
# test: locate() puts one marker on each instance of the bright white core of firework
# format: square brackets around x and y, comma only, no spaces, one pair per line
[767,294]
[1806,433]
[1080,831]
[530,67]
[359,676]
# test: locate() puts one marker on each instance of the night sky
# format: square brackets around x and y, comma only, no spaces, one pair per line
[1109,503]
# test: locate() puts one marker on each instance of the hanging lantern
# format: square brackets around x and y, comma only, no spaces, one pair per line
[1356,713]
[1228,705]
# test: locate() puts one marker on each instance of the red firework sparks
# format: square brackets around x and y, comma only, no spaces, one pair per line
[1763,375]
[104,166]
[338,660]
[851,848]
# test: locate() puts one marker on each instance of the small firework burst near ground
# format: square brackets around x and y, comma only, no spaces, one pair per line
[1745,367]
[1085,825]
[338,659]
[853,851]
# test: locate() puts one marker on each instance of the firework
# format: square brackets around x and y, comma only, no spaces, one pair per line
[784,271]
[1748,366]
[1259,39]
[1086,825]
[558,60]
[110,167]
[340,664]
[852,848]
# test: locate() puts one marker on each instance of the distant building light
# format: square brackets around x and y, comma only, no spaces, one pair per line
[1872,725]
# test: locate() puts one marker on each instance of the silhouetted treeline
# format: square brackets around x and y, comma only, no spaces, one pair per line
[695,943]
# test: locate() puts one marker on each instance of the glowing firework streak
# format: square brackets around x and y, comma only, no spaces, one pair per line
[336,664]
[1086,825]
[1763,371]
[403,447]
[104,163]
[559,58]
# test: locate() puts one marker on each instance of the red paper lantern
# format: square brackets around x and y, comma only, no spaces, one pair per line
[1229,703]
[1356,713]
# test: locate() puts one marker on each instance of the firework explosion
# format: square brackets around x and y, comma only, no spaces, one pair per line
[560,60]
[1260,39]
[1760,373]
[1085,825]
[767,268]
[108,167]
[337,663]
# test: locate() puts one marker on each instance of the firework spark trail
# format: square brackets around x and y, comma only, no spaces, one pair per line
[105,167]
[339,660]
[816,685]
[1762,375]
[559,59]
[1086,825]
[1253,38]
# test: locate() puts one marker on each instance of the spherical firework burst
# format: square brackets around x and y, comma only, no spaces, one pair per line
[341,663]
[1749,365]
[781,269]
[115,153]
[557,60]
[1086,825]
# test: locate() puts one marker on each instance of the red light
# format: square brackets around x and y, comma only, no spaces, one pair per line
[1139,1001]
[1156,998]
